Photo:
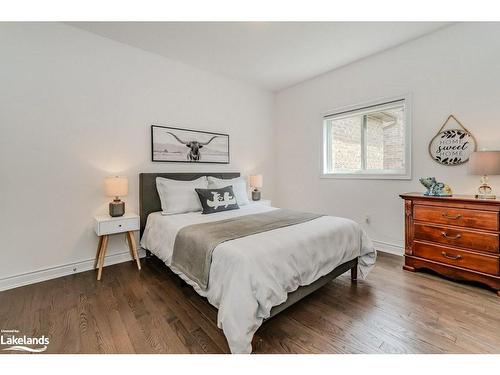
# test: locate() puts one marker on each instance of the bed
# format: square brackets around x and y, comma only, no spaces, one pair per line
[255,277]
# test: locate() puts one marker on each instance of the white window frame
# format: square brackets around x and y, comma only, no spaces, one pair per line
[370,174]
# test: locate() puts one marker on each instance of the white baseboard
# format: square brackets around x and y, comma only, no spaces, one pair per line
[63,270]
[388,248]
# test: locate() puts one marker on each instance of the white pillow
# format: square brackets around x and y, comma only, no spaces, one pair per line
[239,185]
[178,197]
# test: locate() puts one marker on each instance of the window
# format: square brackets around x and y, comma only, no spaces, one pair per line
[369,141]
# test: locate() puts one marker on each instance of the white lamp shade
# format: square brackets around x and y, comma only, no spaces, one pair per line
[116,186]
[256,181]
[484,163]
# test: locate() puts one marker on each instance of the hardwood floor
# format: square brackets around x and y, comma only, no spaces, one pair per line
[393,311]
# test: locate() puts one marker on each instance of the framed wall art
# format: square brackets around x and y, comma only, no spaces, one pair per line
[452,146]
[170,144]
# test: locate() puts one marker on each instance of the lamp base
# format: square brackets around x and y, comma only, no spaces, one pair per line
[484,191]
[485,196]
[116,208]
[256,195]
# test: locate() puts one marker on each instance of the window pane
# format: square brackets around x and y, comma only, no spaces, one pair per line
[346,144]
[374,144]
[385,140]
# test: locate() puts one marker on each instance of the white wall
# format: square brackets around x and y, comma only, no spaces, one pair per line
[76,107]
[455,70]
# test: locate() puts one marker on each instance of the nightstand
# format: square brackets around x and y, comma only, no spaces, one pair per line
[106,225]
[265,202]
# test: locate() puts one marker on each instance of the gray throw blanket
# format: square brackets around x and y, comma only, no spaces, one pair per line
[194,244]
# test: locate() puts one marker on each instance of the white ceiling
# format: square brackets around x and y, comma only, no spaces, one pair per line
[271,55]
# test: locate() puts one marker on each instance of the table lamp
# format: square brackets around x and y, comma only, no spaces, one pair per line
[484,163]
[116,187]
[256,182]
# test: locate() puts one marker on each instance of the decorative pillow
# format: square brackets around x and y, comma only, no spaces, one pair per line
[217,200]
[239,185]
[178,197]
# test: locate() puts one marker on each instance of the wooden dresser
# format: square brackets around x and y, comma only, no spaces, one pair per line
[457,237]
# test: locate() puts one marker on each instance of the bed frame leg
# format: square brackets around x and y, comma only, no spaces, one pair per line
[354,272]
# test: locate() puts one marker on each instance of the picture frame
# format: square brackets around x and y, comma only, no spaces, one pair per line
[182,145]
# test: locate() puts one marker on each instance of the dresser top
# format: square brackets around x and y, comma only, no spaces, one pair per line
[454,198]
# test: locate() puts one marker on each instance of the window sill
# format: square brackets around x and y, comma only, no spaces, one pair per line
[365,176]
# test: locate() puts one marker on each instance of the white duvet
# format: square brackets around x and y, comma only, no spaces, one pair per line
[250,275]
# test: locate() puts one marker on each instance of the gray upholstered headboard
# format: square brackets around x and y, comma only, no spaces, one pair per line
[149,201]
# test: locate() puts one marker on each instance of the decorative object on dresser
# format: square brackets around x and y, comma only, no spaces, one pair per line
[457,237]
[434,188]
[116,187]
[484,163]
[105,226]
[188,146]
[453,146]
[255,183]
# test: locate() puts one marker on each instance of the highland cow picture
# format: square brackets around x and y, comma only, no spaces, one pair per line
[190,146]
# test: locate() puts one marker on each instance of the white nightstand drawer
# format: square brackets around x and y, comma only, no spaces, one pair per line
[117,225]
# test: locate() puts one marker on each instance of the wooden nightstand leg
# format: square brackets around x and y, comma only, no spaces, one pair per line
[98,252]
[133,248]
[102,255]
[129,243]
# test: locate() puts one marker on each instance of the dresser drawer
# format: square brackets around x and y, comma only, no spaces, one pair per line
[474,240]
[457,216]
[460,258]
[117,226]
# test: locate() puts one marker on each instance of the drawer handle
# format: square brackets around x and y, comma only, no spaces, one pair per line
[453,257]
[453,217]
[456,237]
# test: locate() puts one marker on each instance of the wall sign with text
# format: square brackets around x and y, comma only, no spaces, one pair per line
[452,146]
